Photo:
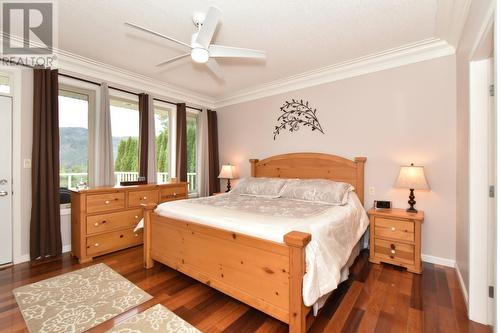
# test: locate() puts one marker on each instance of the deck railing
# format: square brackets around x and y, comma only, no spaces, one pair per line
[71,180]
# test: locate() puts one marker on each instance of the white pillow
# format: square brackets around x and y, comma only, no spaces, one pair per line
[317,190]
[260,187]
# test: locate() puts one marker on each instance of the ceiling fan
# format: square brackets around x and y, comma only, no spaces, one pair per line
[202,51]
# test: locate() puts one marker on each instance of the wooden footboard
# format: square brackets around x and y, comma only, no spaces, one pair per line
[263,274]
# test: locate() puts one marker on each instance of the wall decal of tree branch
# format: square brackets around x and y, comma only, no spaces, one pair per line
[295,114]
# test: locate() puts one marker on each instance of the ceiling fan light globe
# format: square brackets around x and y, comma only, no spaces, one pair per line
[199,55]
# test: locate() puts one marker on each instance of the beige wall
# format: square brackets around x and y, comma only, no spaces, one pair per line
[393,117]
[470,35]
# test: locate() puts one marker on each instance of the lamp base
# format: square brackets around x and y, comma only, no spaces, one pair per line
[412,202]
[228,188]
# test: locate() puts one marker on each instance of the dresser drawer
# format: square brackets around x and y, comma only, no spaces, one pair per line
[173,193]
[112,241]
[394,229]
[136,198]
[113,221]
[105,202]
[400,252]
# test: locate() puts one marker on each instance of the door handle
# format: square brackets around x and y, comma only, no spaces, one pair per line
[4,193]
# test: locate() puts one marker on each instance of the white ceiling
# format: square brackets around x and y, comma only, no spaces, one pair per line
[298,35]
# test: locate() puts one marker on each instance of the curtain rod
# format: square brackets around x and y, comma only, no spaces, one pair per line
[125,91]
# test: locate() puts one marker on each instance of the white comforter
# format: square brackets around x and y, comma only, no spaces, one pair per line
[335,230]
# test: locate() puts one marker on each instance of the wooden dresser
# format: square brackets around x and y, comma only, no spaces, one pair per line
[103,218]
[395,238]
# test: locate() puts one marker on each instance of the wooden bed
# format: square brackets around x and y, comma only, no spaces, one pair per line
[263,274]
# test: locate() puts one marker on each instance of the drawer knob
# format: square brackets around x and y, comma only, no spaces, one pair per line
[106,202]
[393,251]
[145,198]
[96,244]
[121,236]
[96,224]
[136,217]
[175,194]
[136,235]
[393,228]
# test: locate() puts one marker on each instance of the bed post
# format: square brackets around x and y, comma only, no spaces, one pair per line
[296,242]
[147,211]
[360,178]
[253,167]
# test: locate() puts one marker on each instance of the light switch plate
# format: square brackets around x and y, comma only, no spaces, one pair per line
[371,190]
[27,163]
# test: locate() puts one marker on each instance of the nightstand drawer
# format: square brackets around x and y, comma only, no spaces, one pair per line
[403,253]
[395,229]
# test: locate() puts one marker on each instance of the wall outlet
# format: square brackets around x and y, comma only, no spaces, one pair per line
[27,163]
[371,190]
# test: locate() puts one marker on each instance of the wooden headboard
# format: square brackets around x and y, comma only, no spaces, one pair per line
[313,165]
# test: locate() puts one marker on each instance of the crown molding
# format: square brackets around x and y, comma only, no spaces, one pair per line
[75,64]
[408,54]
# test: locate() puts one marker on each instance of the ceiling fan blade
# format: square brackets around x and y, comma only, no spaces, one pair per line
[132,25]
[207,30]
[221,51]
[213,65]
[173,59]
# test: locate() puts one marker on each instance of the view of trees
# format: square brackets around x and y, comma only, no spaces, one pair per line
[127,158]
[128,149]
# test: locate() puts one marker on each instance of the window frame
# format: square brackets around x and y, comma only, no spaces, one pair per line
[195,114]
[10,76]
[171,148]
[91,94]
[131,98]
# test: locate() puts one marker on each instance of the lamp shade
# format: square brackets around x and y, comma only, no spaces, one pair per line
[412,177]
[228,171]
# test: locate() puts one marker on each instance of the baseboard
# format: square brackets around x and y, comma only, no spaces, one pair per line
[465,294]
[438,260]
[26,257]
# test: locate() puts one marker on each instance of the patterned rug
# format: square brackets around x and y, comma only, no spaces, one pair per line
[77,301]
[155,319]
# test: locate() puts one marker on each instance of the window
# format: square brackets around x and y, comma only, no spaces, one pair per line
[4,84]
[162,133]
[74,107]
[125,131]
[192,160]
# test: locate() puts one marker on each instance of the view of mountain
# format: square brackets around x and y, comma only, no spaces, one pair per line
[74,148]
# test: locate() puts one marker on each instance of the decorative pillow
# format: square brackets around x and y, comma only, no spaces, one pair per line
[260,187]
[317,190]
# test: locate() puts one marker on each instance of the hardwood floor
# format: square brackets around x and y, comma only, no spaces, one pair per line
[376,298]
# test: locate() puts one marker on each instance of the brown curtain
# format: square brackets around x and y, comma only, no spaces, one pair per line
[181,149]
[45,229]
[143,134]
[213,153]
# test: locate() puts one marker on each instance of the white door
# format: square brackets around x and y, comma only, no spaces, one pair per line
[5,180]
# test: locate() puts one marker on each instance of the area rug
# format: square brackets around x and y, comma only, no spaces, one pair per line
[155,319]
[77,301]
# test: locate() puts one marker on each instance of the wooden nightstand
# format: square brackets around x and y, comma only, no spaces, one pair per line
[395,237]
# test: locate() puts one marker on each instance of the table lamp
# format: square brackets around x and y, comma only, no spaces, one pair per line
[228,172]
[413,178]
